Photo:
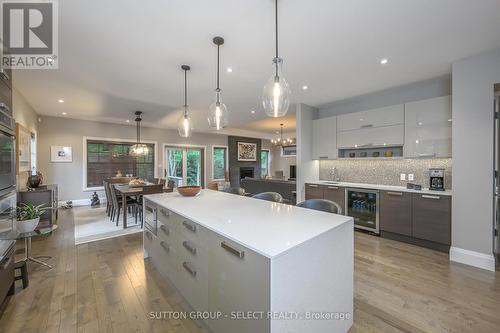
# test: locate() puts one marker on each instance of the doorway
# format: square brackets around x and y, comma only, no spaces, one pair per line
[184,165]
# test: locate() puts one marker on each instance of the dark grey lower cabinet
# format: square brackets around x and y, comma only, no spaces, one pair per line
[335,194]
[314,191]
[395,212]
[432,217]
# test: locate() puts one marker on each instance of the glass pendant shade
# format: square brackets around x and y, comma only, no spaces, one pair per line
[276,94]
[185,125]
[218,116]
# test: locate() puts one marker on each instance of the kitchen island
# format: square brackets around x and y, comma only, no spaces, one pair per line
[248,265]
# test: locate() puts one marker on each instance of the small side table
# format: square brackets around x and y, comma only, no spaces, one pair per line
[27,236]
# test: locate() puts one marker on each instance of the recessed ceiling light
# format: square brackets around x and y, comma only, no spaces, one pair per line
[252,111]
[305,87]
[420,123]
[229,70]
[384,61]
[127,121]
[450,119]
[61,101]
[64,113]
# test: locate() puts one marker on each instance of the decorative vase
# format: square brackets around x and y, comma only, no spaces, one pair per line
[27,225]
[34,180]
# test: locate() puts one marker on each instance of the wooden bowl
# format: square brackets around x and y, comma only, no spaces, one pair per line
[189,191]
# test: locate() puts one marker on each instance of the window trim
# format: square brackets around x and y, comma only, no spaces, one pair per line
[184,145]
[96,138]
[268,162]
[226,168]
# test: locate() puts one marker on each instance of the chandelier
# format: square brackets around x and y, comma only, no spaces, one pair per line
[139,149]
[282,142]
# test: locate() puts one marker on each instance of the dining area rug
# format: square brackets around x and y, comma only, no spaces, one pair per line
[92,224]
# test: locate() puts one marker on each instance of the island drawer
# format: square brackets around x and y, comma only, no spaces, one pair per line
[188,250]
[192,282]
[164,216]
[191,230]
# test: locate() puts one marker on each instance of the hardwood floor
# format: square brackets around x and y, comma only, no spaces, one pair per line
[106,286]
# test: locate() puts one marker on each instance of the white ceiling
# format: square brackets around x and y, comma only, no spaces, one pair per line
[120,56]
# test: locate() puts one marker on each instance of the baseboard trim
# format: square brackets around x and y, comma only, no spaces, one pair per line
[472,258]
[81,202]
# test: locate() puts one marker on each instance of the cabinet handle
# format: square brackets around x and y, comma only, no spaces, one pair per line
[232,250]
[427,155]
[187,245]
[310,185]
[150,209]
[333,187]
[165,246]
[165,230]
[367,126]
[435,197]
[148,235]
[164,212]
[395,193]
[4,107]
[189,226]
[4,75]
[187,267]
[323,157]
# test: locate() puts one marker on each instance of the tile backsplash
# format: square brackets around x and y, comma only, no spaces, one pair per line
[385,171]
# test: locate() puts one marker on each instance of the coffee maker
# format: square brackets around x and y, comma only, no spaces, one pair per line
[436,182]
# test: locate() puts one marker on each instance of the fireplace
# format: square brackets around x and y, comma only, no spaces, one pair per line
[246,172]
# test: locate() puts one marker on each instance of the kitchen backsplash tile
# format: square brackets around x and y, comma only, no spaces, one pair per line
[385,171]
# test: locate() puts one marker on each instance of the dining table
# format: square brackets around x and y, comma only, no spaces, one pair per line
[128,191]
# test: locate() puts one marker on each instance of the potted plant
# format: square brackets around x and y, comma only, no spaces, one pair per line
[28,216]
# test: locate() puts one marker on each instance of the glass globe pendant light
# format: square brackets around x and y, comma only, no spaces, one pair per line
[276,94]
[185,124]
[218,114]
[139,149]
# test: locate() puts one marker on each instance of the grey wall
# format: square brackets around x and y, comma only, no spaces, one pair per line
[70,132]
[436,87]
[278,162]
[473,135]
[385,172]
[234,164]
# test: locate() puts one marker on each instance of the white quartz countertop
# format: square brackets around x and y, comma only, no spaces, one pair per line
[379,187]
[268,228]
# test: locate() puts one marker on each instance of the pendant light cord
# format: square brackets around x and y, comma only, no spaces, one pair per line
[185,93]
[217,90]
[276,27]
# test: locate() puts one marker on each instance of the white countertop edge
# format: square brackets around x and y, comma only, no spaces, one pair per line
[379,187]
[270,256]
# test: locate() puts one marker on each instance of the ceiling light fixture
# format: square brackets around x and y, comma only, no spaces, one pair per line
[305,87]
[280,141]
[384,61]
[252,111]
[63,113]
[218,114]
[229,70]
[61,101]
[185,124]
[139,149]
[127,121]
[276,95]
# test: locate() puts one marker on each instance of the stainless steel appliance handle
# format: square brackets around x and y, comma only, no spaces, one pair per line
[333,187]
[240,254]
[366,126]
[435,197]
[189,226]
[188,246]
[165,230]
[187,267]
[165,246]
[395,193]
[6,263]
[312,185]
[150,209]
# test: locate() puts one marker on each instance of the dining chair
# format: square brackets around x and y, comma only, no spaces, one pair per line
[322,205]
[235,190]
[105,184]
[118,203]
[269,196]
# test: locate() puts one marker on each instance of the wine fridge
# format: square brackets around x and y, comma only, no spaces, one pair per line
[362,205]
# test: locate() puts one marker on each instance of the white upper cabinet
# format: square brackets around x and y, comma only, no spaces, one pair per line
[371,137]
[428,128]
[391,115]
[324,138]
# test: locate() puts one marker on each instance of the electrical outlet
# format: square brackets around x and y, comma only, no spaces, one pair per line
[402,176]
[411,177]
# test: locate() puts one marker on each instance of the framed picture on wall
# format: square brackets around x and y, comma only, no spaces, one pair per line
[289,151]
[61,154]
[247,151]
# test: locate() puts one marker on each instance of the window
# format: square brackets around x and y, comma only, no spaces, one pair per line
[264,163]
[185,165]
[219,162]
[106,159]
